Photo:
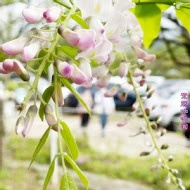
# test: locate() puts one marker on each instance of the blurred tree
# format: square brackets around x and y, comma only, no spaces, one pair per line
[172,49]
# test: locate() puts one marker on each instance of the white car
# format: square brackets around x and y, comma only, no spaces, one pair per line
[168,100]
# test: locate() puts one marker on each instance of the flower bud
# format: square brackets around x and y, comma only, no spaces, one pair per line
[123,69]
[19,125]
[50,117]
[170,158]
[154,126]
[158,119]
[59,95]
[8,65]
[21,71]
[30,51]
[33,15]
[84,39]
[2,70]
[135,106]
[14,47]
[150,93]
[164,146]
[147,111]
[112,91]
[122,123]
[64,68]
[144,153]
[52,14]
[78,76]
[163,132]
[29,119]
[174,171]
[137,72]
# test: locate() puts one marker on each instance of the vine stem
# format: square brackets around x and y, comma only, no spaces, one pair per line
[45,60]
[150,128]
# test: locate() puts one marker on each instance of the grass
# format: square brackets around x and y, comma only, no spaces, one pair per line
[112,165]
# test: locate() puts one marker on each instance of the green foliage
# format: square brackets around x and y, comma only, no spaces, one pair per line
[40,145]
[74,91]
[77,170]
[69,140]
[77,17]
[46,97]
[67,182]
[184,14]
[49,174]
[149,17]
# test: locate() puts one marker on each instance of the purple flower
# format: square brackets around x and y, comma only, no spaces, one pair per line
[52,14]
[14,47]
[33,15]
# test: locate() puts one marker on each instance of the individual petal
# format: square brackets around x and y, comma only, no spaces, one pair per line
[123,69]
[50,117]
[52,14]
[77,76]
[122,123]
[21,71]
[100,71]
[14,47]
[98,8]
[147,72]
[87,39]
[102,51]
[85,67]
[33,15]
[82,38]
[70,36]
[19,125]
[124,5]
[30,51]
[64,68]
[150,58]
[2,70]
[8,65]
[112,91]
[29,119]
[141,54]
[59,95]
[103,81]
[138,72]
[115,26]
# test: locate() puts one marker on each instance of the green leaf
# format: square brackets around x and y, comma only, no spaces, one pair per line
[183,15]
[40,145]
[149,17]
[69,51]
[49,174]
[79,20]
[69,140]
[163,7]
[77,170]
[46,97]
[74,91]
[67,182]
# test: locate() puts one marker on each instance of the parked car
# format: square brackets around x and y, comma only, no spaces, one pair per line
[168,100]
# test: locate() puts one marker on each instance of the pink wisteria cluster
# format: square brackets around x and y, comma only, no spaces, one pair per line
[112,30]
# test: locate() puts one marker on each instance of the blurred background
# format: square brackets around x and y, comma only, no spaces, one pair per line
[109,155]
